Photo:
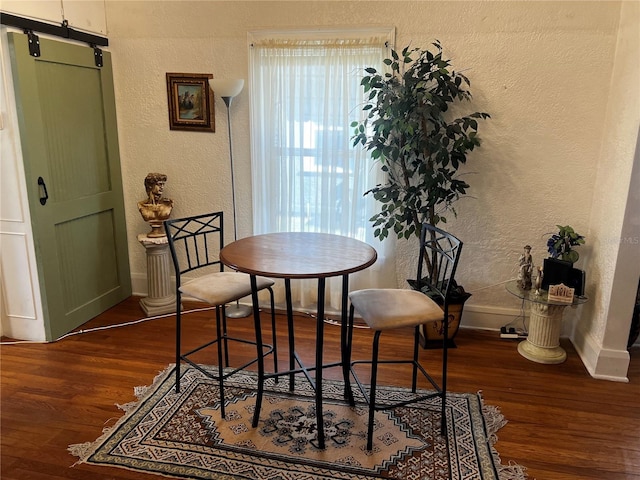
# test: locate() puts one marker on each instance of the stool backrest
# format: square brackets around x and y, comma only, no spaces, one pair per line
[439,255]
[195,242]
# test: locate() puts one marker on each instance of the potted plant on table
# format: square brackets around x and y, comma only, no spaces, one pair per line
[420,144]
[560,245]
[558,268]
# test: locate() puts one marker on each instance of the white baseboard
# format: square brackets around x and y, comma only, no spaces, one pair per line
[139,285]
[486,317]
[482,317]
[601,363]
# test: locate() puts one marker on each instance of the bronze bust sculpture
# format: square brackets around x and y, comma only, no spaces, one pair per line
[155,208]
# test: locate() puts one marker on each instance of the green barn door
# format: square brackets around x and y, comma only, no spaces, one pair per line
[67,120]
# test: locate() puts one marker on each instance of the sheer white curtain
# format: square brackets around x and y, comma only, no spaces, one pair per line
[305,92]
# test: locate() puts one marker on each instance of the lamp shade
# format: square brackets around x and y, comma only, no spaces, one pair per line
[226,87]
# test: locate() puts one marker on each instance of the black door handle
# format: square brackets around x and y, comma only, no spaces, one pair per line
[44,199]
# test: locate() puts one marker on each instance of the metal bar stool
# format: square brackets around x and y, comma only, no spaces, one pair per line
[386,309]
[195,243]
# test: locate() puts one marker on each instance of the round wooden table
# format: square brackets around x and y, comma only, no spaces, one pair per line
[298,255]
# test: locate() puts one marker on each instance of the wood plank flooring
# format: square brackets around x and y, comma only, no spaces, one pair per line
[563,425]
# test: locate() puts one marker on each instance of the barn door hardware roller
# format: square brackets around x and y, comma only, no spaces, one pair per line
[34,43]
[63,30]
[97,53]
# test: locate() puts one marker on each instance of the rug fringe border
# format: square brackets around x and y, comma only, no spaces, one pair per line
[84,450]
[494,421]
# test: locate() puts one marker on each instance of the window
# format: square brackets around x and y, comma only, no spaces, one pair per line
[305,92]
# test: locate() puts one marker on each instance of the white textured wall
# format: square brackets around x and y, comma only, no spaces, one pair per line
[614,260]
[543,70]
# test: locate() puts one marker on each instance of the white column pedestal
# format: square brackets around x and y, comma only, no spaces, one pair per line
[161,298]
[543,342]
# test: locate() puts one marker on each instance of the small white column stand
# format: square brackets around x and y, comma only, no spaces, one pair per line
[542,344]
[161,298]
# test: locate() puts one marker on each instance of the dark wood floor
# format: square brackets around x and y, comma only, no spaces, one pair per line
[563,425]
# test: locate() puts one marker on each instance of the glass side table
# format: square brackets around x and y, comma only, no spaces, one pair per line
[542,344]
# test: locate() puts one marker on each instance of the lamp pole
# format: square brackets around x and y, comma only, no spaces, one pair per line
[227,90]
[227,102]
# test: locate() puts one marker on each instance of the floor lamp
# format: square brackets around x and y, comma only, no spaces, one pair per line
[227,89]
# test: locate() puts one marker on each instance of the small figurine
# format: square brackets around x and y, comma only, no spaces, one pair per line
[155,209]
[525,269]
[539,280]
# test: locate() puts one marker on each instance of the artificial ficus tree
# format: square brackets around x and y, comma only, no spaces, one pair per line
[412,131]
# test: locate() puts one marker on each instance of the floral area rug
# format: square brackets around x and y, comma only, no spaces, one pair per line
[183,435]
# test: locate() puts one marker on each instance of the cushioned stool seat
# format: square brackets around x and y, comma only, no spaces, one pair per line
[220,288]
[385,308]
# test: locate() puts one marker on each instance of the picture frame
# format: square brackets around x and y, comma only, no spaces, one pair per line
[190,100]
